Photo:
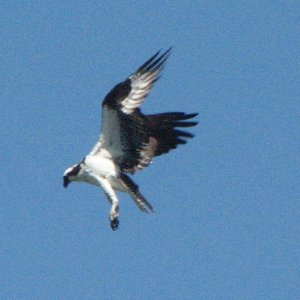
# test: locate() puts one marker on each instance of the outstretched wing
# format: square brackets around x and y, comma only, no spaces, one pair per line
[130,94]
[129,137]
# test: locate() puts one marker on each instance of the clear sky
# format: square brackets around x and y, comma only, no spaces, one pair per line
[226,222]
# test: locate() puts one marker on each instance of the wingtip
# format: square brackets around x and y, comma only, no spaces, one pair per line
[156,61]
[193,115]
[169,50]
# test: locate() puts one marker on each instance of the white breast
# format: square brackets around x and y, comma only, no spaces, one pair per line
[102,166]
[99,166]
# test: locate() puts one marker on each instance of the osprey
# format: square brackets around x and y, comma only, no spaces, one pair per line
[129,139]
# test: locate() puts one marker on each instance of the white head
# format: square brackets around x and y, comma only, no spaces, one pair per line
[71,174]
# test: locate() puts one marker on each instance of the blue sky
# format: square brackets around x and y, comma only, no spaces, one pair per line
[226,222]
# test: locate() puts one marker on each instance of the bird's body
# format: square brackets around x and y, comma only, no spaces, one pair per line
[129,139]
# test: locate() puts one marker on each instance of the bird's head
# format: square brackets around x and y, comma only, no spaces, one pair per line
[71,174]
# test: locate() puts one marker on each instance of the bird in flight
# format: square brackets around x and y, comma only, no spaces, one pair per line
[130,139]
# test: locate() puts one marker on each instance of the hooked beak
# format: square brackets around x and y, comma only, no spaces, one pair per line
[66,181]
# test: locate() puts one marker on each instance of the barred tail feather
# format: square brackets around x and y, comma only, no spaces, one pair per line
[135,194]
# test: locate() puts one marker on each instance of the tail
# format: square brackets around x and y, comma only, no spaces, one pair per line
[135,194]
[164,130]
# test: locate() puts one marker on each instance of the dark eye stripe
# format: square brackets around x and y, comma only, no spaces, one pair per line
[74,171]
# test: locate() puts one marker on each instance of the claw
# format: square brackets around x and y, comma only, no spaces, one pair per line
[114,223]
[114,216]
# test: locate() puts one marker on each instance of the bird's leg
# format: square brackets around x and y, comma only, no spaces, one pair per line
[114,211]
[114,216]
[112,198]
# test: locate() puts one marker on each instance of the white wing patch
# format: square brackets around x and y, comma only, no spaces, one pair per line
[140,88]
[142,81]
[109,143]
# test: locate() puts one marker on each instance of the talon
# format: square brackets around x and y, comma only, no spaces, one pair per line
[114,223]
